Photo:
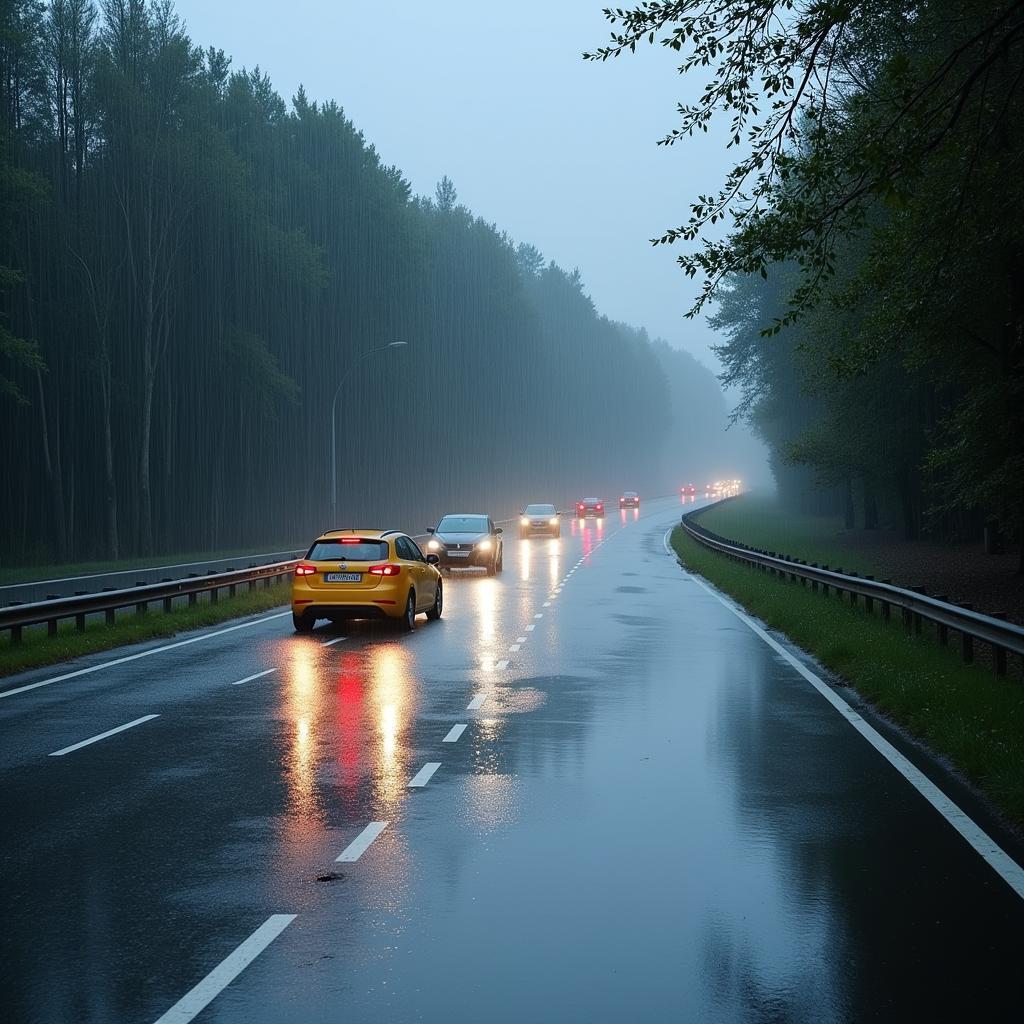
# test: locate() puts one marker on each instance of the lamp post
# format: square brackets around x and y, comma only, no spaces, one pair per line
[334,407]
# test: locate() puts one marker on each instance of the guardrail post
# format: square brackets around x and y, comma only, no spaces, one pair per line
[869,601]
[51,627]
[15,635]
[966,640]
[814,583]
[110,614]
[213,590]
[886,606]
[916,616]
[999,653]
[80,617]
[941,629]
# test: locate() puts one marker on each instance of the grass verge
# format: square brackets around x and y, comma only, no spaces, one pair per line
[960,711]
[38,648]
[762,523]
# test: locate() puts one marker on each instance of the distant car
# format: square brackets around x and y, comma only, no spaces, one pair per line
[365,574]
[539,519]
[467,539]
[629,499]
[688,491]
[589,507]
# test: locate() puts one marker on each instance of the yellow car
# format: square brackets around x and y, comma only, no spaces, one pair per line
[365,574]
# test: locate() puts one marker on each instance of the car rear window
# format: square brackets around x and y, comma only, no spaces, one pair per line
[336,551]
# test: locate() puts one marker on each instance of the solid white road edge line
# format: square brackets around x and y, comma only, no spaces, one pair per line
[141,654]
[477,702]
[336,640]
[982,843]
[361,843]
[454,733]
[423,776]
[103,736]
[193,1003]
[257,675]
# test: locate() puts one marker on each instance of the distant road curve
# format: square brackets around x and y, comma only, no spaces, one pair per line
[67,586]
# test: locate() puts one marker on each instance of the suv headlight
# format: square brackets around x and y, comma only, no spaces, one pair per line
[484,545]
[552,521]
[433,545]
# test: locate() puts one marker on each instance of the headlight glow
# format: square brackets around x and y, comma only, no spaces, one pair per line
[524,521]
[484,545]
[552,521]
[433,545]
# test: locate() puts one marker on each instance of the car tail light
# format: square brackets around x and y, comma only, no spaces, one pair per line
[305,570]
[385,570]
[599,507]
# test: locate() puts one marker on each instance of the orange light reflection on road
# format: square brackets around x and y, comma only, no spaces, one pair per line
[301,713]
[394,694]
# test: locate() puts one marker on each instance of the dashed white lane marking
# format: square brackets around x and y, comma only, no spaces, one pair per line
[361,843]
[103,736]
[520,639]
[141,654]
[539,615]
[513,648]
[501,665]
[336,640]
[256,675]
[423,776]
[984,845]
[546,604]
[477,702]
[454,733]
[193,1003]
[531,627]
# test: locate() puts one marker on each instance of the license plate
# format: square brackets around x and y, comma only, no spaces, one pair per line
[458,554]
[343,577]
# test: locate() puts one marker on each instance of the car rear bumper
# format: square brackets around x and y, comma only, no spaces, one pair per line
[340,612]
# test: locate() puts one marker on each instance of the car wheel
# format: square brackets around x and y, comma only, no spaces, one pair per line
[434,612]
[407,623]
[303,623]
[492,566]
[501,559]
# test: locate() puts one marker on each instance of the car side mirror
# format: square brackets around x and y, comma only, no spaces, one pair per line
[431,529]
[433,560]
[498,529]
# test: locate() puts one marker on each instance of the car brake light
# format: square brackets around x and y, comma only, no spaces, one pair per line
[351,540]
[385,570]
[305,570]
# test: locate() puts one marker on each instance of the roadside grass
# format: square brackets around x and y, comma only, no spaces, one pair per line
[758,520]
[38,648]
[960,711]
[32,573]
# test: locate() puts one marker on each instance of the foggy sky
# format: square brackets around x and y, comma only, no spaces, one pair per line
[558,152]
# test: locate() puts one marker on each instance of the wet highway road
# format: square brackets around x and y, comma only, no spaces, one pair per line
[649,815]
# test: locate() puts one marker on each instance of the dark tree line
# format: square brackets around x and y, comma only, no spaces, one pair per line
[871,283]
[189,266]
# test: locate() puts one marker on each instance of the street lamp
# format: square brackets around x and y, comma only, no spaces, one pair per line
[334,405]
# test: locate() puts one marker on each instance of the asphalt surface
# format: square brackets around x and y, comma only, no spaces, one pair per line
[651,815]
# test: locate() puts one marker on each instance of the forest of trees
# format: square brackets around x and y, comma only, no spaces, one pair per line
[189,265]
[870,278]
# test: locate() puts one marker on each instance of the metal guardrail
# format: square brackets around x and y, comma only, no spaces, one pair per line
[16,617]
[915,606]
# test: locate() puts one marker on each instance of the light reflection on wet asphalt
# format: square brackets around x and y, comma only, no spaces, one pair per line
[650,816]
